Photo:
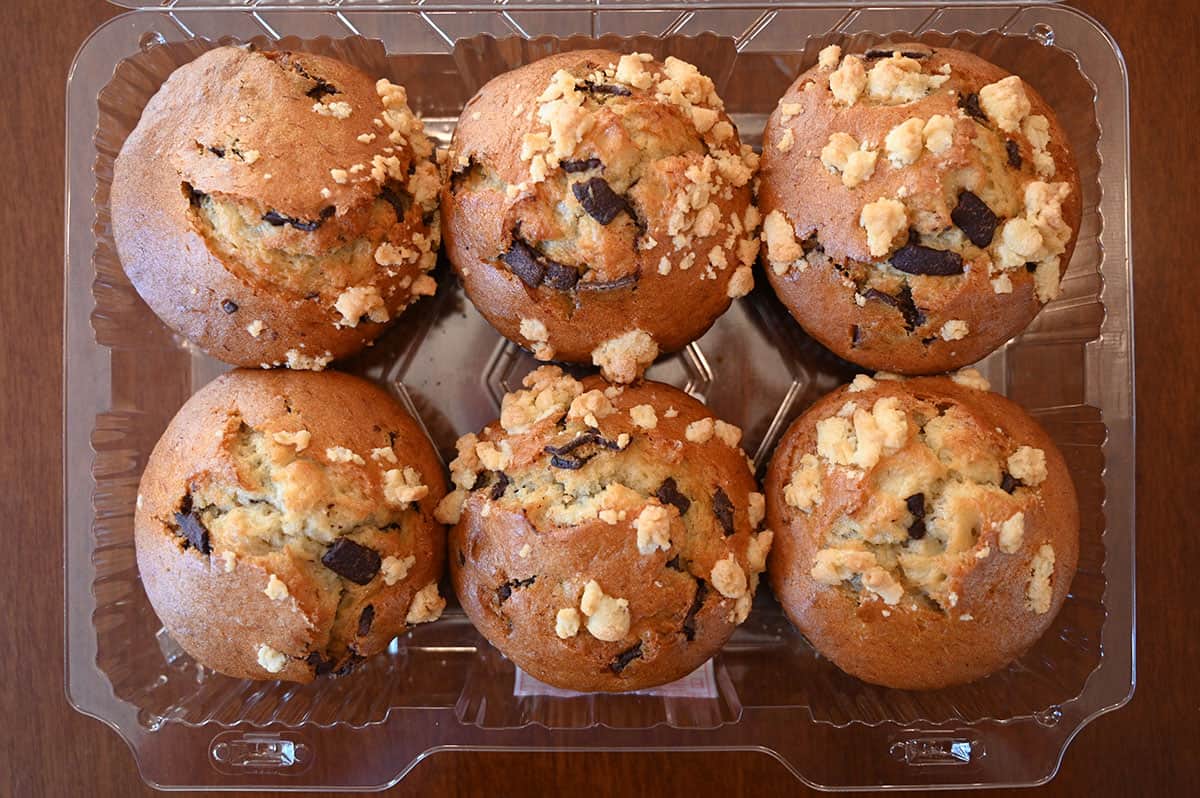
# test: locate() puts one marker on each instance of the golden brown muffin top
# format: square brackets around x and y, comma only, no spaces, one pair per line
[300,502]
[919,192]
[600,179]
[609,518]
[925,504]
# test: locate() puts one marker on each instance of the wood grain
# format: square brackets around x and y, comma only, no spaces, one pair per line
[1147,748]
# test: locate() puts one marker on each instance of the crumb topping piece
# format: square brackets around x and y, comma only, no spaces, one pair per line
[1040,589]
[949,493]
[624,358]
[427,605]
[607,617]
[883,220]
[272,661]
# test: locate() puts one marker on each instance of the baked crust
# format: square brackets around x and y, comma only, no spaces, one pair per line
[532,535]
[961,595]
[829,288]
[277,467]
[276,208]
[682,237]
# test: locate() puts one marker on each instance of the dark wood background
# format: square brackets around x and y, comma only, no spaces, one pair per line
[1150,747]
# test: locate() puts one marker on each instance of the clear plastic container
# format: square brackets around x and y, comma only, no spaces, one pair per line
[441,686]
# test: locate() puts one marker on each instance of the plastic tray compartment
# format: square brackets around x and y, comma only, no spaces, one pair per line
[442,686]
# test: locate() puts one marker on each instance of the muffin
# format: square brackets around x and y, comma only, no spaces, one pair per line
[606,538]
[926,530]
[598,208]
[277,208]
[920,206]
[285,527]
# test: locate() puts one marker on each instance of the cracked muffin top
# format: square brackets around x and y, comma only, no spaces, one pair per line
[598,207]
[926,530]
[607,538]
[277,208]
[285,525]
[920,205]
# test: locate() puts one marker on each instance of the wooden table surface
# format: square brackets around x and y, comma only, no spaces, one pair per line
[1150,747]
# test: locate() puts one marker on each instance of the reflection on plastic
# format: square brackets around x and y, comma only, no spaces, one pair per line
[921,751]
[234,752]
[700,683]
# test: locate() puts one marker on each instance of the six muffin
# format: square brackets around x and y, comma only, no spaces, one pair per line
[285,527]
[277,208]
[926,530]
[920,205]
[607,538]
[598,207]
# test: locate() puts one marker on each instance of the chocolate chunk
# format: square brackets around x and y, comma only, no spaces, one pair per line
[534,268]
[917,259]
[1031,267]
[217,151]
[674,564]
[887,299]
[723,509]
[883,52]
[505,590]
[192,528]
[605,88]
[970,104]
[229,306]
[975,218]
[319,664]
[351,560]
[502,482]
[318,91]
[668,493]
[349,665]
[625,657]
[599,200]
[585,439]
[902,302]
[572,167]
[569,463]
[523,261]
[689,620]
[913,317]
[365,620]
[916,506]
[1014,153]
[611,285]
[400,200]
[322,89]
[279,219]
[561,277]
[482,480]
[1009,483]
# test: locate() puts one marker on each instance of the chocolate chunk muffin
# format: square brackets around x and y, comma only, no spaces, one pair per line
[927,530]
[606,538]
[920,205]
[598,207]
[277,208]
[285,525]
